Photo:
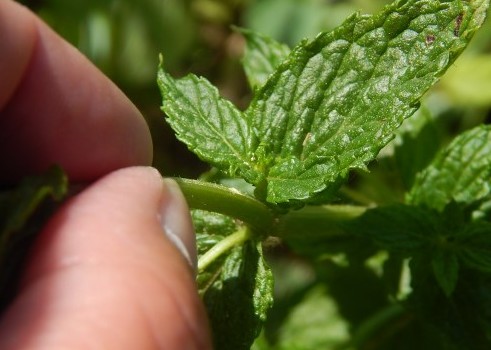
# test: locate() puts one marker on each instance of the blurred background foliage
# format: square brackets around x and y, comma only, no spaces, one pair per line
[124,39]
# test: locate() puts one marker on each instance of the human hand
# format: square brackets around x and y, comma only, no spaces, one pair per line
[102,274]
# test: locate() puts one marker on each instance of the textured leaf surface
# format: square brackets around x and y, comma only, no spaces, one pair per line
[337,100]
[461,172]
[237,289]
[331,105]
[262,56]
[212,127]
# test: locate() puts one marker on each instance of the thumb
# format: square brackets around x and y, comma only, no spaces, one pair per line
[104,276]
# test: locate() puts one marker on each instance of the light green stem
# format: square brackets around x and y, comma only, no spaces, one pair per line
[223,246]
[220,199]
[311,221]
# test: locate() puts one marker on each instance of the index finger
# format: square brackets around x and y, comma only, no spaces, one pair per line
[56,107]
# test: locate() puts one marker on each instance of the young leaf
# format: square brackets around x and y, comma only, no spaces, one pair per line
[335,101]
[446,269]
[212,127]
[238,300]
[262,56]
[461,172]
[237,287]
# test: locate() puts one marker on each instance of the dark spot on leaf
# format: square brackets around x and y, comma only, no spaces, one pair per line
[458,23]
[430,38]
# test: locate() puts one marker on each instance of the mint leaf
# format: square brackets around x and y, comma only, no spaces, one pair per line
[336,101]
[446,269]
[418,233]
[460,321]
[474,242]
[461,172]
[238,300]
[237,288]
[443,240]
[331,105]
[212,127]
[398,228]
[262,56]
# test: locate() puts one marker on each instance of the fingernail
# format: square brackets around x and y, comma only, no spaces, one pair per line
[176,221]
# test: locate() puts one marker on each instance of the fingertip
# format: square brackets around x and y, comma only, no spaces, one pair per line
[177,223]
[104,262]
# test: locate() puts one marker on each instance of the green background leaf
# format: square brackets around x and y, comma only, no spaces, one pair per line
[474,243]
[262,56]
[461,172]
[398,228]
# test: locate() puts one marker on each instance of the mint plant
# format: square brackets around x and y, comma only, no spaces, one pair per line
[319,112]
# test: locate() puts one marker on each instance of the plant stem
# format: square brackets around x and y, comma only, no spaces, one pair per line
[236,238]
[228,201]
[312,221]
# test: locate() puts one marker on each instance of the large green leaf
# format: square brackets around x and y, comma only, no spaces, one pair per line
[337,100]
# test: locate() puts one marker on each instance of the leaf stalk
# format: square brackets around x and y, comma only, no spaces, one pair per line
[235,239]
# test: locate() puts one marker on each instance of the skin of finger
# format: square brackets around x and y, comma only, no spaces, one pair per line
[17,38]
[63,110]
[104,276]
